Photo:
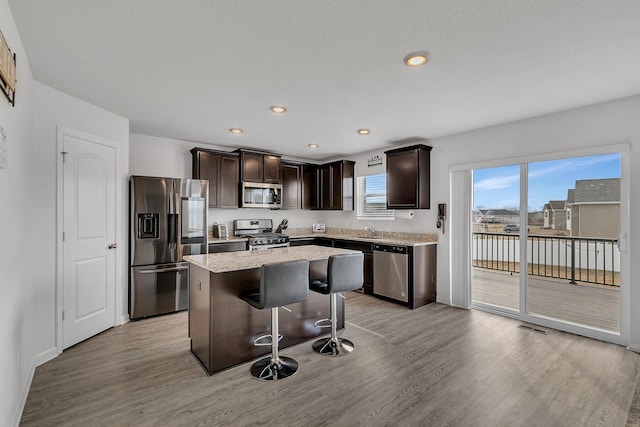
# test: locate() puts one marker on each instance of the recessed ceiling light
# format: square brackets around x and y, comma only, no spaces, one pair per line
[416,59]
[278,109]
[236,131]
[363,131]
[313,145]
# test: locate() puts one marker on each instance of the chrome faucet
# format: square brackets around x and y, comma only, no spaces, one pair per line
[371,229]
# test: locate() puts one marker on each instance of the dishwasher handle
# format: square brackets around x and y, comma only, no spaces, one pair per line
[390,248]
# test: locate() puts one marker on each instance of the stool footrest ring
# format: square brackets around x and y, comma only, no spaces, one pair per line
[321,323]
[264,337]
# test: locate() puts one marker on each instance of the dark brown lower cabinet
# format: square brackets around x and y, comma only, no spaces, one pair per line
[421,267]
[422,275]
[366,249]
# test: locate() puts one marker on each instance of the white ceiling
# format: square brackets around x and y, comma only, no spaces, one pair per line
[192,69]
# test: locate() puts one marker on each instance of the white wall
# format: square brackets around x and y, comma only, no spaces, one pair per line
[16,249]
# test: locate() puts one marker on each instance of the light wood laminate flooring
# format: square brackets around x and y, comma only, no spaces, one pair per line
[437,365]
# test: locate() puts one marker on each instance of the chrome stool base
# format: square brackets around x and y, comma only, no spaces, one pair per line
[265,370]
[333,346]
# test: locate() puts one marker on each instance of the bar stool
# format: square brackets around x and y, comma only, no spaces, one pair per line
[280,284]
[344,273]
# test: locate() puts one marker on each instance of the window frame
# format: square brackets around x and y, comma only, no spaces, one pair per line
[362,213]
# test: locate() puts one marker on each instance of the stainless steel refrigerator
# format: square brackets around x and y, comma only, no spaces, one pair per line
[168,221]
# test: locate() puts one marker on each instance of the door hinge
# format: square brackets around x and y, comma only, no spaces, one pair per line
[63,236]
[62,314]
[64,156]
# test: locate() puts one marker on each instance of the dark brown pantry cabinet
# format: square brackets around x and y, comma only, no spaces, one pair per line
[260,167]
[408,177]
[221,170]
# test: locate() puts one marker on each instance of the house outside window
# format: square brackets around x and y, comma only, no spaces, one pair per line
[372,198]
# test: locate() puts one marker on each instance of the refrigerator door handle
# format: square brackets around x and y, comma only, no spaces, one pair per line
[171,225]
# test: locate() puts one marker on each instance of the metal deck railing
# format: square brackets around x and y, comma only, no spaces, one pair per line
[576,259]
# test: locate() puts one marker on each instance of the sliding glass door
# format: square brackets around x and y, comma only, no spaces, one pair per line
[574,259]
[495,244]
[545,242]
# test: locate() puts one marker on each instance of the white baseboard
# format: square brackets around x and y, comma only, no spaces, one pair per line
[443,301]
[634,346]
[37,360]
[123,320]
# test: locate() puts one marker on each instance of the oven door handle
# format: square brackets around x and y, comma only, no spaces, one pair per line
[265,247]
[163,270]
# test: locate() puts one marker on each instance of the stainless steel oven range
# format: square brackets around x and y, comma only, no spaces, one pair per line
[260,234]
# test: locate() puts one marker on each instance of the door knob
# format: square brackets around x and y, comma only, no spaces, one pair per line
[113,246]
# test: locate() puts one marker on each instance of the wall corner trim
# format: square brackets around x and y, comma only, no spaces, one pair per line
[37,360]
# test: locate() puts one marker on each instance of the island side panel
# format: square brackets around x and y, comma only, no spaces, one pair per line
[235,324]
[199,314]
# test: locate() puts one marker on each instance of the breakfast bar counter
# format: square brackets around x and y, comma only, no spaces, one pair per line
[222,327]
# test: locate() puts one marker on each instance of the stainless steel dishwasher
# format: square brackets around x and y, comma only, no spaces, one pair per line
[391,272]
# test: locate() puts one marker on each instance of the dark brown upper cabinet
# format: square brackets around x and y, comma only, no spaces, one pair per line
[291,185]
[342,185]
[408,177]
[260,167]
[310,185]
[334,186]
[222,171]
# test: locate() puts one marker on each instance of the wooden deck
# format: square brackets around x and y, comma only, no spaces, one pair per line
[594,306]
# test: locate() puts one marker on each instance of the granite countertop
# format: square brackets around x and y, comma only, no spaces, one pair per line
[246,260]
[383,237]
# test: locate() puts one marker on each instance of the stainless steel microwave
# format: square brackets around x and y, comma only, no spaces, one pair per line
[261,195]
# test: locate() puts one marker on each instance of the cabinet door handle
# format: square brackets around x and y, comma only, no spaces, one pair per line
[112,246]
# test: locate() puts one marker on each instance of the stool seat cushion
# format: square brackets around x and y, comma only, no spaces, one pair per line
[252,297]
[319,286]
[344,273]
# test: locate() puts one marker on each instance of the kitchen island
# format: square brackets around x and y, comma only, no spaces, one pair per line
[222,327]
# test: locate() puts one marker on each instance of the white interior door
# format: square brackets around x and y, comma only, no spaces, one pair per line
[89,212]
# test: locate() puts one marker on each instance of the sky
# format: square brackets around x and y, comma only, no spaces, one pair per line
[499,188]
